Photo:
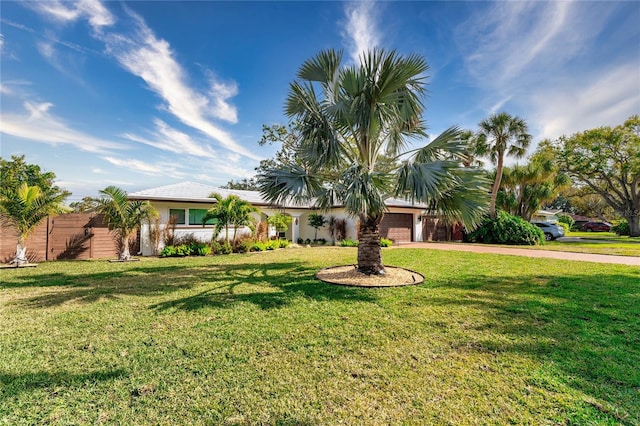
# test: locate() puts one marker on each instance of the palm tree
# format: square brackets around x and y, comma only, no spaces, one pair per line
[500,135]
[24,208]
[229,211]
[123,216]
[351,116]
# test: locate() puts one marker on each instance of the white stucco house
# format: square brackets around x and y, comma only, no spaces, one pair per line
[189,201]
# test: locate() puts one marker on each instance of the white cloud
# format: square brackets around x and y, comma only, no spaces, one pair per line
[92,10]
[586,102]
[361,30]
[141,166]
[39,125]
[152,59]
[169,139]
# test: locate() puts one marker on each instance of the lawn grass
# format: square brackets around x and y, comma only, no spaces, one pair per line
[609,236]
[592,246]
[255,339]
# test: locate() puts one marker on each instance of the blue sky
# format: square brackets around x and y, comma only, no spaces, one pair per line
[143,94]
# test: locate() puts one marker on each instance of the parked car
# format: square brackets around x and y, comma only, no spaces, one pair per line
[596,226]
[551,230]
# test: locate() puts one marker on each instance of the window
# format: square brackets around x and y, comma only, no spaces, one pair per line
[179,215]
[196,216]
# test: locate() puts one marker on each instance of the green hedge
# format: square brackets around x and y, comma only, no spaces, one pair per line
[507,229]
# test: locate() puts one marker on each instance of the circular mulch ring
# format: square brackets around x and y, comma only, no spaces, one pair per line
[348,275]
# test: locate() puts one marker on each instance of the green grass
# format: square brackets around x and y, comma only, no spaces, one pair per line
[609,236]
[592,246]
[255,339]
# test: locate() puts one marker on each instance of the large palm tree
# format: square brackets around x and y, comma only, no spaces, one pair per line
[349,117]
[123,216]
[500,135]
[229,211]
[25,207]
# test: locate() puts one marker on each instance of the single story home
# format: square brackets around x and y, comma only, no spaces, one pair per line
[546,216]
[188,203]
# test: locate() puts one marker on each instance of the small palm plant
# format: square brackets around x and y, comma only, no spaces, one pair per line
[24,208]
[350,117]
[123,216]
[229,211]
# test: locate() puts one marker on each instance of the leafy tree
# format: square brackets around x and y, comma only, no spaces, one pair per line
[524,189]
[229,211]
[280,221]
[351,116]
[87,204]
[24,208]
[316,221]
[16,171]
[607,161]
[501,135]
[243,184]
[123,216]
[27,196]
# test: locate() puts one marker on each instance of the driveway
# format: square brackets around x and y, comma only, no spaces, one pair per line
[479,248]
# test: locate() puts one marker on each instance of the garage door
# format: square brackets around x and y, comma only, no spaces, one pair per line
[397,227]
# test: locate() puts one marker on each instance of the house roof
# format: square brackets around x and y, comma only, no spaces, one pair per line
[199,193]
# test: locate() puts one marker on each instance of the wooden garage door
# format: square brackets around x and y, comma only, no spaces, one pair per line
[397,227]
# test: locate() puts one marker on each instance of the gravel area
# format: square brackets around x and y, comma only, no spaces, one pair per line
[348,275]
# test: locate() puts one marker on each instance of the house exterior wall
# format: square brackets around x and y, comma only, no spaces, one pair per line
[300,230]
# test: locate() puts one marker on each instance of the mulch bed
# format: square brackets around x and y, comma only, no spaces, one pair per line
[348,275]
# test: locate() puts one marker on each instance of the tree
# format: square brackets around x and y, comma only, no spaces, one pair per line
[502,135]
[123,216]
[229,211]
[316,221]
[280,221]
[242,184]
[351,116]
[607,161]
[525,188]
[87,204]
[24,208]
[27,196]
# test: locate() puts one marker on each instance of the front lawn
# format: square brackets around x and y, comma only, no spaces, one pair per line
[619,248]
[255,339]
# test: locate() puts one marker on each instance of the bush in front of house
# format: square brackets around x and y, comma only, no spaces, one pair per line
[507,229]
[620,227]
[565,226]
[191,249]
[349,243]
[385,242]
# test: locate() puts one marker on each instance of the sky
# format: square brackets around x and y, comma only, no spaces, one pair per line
[150,93]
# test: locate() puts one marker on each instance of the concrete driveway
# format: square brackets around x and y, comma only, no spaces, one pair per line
[513,251]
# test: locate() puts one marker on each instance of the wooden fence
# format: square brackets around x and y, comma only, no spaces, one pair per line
[68,236]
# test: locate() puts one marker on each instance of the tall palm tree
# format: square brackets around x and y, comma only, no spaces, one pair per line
[123,216]
[500,135]
[25,207]
[351,116]
[229,211]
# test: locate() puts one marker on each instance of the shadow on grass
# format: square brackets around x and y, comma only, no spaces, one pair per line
[266,286]
[93,287]
[14,384]
[585,327]
[270,285]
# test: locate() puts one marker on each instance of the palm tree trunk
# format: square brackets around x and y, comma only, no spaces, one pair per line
[496,186]
[124,250]
[369,250]
[21,252]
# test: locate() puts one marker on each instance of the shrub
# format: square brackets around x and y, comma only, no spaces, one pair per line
[216,246]
[349,243]
[565,218]
[307,241]
[384,242]
[620,227]
[565,226]
[259,246]
[300,241]
[273,244]
[202,250]
[225,248]
[322,241]
[507,229]
[284,243]
[168,251]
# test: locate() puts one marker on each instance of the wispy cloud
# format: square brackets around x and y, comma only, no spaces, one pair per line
[39,125]
[589,101]
[65,12]
[144,55]
[169,139]
[532,56]
[152,59]
[360,31]
[142,166]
